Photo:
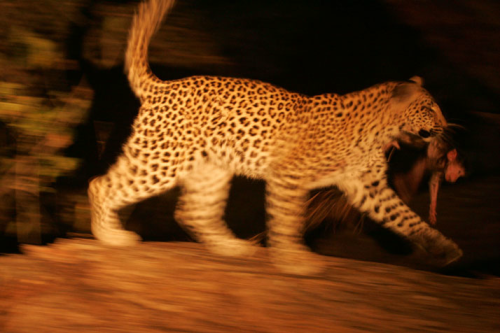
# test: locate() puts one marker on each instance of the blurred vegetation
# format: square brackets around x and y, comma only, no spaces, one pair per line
[39,109]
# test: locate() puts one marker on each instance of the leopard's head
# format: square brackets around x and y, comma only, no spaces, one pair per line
[421,116]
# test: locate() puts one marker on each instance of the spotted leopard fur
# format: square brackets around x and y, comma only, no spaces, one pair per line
[199,131]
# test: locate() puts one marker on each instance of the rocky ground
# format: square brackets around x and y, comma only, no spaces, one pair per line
[79,285]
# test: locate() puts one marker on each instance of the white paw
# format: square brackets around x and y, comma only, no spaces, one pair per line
[298,260]
[443,250]
[232,247]
[117,237]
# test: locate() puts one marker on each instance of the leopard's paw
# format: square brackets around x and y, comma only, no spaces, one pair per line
[233,247]
[297,260]
[117,237]
[446,252]
[443,251]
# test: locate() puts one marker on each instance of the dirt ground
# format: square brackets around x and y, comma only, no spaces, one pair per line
[79,285]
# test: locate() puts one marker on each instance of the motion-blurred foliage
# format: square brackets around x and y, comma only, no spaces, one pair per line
[31,50]
[38,120]
[41,125]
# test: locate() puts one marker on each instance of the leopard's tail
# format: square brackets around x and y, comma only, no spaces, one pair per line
[145,23]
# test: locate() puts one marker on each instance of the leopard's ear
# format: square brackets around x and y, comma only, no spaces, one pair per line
[404,91]
[418,80]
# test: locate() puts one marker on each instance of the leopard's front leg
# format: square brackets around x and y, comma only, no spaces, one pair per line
[372,195]
[286,204]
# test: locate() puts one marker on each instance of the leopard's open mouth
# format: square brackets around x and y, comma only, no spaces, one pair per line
[424,134]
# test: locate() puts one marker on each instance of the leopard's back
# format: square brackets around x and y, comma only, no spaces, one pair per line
[236,122]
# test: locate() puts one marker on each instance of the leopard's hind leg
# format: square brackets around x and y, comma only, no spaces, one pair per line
[286,204]
[200,210]
[119,187]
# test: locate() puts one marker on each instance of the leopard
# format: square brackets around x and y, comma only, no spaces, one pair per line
[197,133]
